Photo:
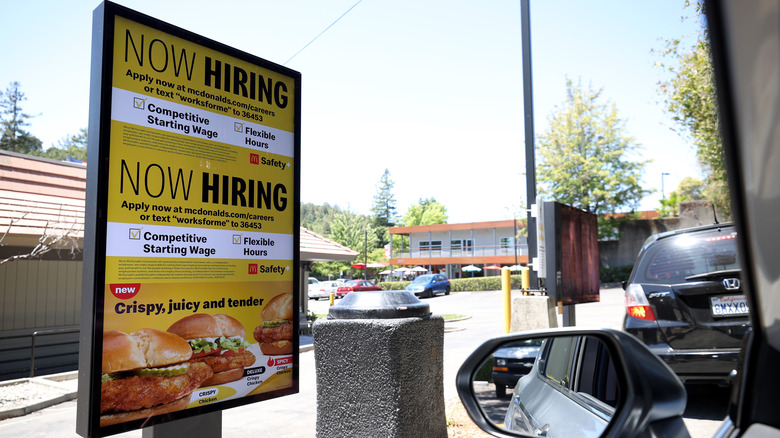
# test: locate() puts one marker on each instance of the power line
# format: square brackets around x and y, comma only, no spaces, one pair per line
[324,30]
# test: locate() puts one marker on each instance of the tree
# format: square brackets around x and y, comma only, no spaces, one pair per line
[584,157]
[318,218]
[691,100]
[384,209]
[426,212]
[73,147]
[689,189]
[384,202]
[355,232]
[13,120]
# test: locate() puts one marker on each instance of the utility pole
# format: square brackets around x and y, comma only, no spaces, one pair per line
[530,157]
[663,193]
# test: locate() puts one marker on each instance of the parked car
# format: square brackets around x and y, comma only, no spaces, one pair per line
[685,300]
[743,41]
[323,289]
[429,284]
[313,283]
[512,361]
[356,286]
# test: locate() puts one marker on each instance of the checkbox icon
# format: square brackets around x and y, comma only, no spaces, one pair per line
[135,234]
[139,103]
[238,126]
[236,239]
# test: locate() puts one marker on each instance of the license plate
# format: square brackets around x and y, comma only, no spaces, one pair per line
[730,305]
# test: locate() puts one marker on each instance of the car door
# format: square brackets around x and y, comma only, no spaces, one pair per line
[572,390]
[364,285]
[437,285]
[745,37]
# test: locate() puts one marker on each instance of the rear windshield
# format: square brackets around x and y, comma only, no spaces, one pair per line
[422,279]
[672,259]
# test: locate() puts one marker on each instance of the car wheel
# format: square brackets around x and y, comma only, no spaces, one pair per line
[500,390]
[430,293]
[447,291]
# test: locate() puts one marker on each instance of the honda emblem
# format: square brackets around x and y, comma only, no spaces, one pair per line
[731,283]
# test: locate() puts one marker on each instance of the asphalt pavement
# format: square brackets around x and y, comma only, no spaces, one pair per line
[295,415]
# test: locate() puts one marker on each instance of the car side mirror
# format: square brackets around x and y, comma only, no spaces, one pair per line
[571,382]
[624,284]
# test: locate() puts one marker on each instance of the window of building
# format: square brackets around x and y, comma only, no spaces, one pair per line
[433,245]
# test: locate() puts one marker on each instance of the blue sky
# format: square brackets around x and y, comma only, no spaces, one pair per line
[430,90]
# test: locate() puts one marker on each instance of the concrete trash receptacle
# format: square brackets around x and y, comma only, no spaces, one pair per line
[379,359]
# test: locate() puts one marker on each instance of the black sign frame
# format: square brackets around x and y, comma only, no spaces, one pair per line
[94,272]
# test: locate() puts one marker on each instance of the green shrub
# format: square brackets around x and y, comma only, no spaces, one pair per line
[394,285]
[485,372]
[616,274]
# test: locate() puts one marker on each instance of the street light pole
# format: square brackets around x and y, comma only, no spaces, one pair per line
[530,157]
[365,256]
[663,193]
[514,238]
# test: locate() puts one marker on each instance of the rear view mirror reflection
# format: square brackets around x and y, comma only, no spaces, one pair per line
[556,386]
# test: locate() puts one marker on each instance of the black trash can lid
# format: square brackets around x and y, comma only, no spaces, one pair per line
[379,305]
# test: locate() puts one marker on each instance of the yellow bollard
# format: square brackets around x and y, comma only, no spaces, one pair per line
[332,298]
[525,278]
[506,285]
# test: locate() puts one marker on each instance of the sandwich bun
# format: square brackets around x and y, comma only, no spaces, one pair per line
[276,347]
[279,308]
[143,348]
[203,325]
[224,377]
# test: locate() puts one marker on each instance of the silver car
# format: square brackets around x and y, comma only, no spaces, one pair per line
[572,390]
[323,289]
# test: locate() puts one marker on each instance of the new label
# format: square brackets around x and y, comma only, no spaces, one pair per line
[125,291]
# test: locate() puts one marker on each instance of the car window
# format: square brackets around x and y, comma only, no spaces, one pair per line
[672,259]
[422,279]
[596,372]
[559,360]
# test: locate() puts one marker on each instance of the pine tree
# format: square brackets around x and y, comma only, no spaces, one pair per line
[384,209]
[14,138]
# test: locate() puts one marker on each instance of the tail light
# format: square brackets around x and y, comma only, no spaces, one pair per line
[637,305]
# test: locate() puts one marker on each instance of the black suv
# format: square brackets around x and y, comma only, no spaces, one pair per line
[684,300]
